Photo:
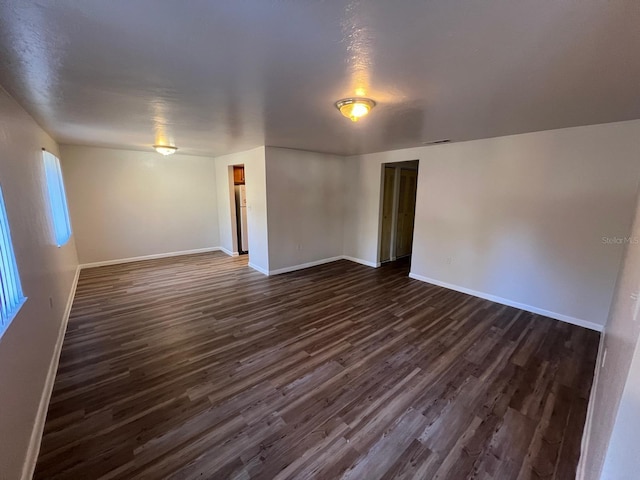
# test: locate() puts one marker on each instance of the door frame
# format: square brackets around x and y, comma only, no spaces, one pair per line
[232,205]
[407,164]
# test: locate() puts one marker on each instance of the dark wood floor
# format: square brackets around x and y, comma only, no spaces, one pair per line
[199,367]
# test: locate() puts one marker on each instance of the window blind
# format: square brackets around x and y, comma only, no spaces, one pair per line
[11,297]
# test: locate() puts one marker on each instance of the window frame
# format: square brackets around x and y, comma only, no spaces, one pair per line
[60,218]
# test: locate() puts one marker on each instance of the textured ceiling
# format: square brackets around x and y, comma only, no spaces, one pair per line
[222,76]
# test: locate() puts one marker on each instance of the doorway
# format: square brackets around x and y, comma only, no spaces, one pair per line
[239,225]
[398,208]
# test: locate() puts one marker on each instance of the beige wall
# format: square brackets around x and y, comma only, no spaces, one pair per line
[128,204]
[27,347]
[518,219]
[256,190]
[615,409]
[305,198]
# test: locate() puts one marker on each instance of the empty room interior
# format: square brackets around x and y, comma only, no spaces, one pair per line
[344,239]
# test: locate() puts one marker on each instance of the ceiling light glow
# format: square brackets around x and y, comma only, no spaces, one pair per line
[165,149]
[355,108]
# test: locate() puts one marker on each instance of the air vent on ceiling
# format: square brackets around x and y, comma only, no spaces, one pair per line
[437,142]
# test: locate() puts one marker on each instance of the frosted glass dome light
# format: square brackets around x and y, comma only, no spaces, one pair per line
[165,149]
[355,108]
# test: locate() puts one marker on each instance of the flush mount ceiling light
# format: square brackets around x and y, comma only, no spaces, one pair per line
[165,149]
[355,108]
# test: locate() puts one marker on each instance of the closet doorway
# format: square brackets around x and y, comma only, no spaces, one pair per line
[399,187]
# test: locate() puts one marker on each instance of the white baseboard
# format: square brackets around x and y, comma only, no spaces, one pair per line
[540,311]
[581,473]
[229,252]
[361,261]
[305,265]
[321,262]
[38,427]
[259,269]
[151,257]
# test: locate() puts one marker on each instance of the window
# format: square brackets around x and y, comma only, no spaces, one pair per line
[57,199]
[11,297]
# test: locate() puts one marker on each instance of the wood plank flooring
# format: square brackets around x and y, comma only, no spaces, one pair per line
[199,367]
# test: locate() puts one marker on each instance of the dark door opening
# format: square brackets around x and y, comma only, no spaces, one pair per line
[399,188]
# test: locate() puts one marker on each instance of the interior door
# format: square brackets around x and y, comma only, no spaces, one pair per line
[406,211]
[387,214]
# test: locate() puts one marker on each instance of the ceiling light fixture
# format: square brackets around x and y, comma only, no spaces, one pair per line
[355,108]
[165,149]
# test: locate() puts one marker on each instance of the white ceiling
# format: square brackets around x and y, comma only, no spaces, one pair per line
[224,76]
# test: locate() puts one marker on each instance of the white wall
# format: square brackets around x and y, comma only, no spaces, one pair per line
[256,189]
[362,206]
[519,218]
[27,347]
[622,462]
[128,204]
[615,409]
[305,199]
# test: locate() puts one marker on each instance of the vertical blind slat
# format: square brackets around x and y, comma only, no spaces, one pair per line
[11,296]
